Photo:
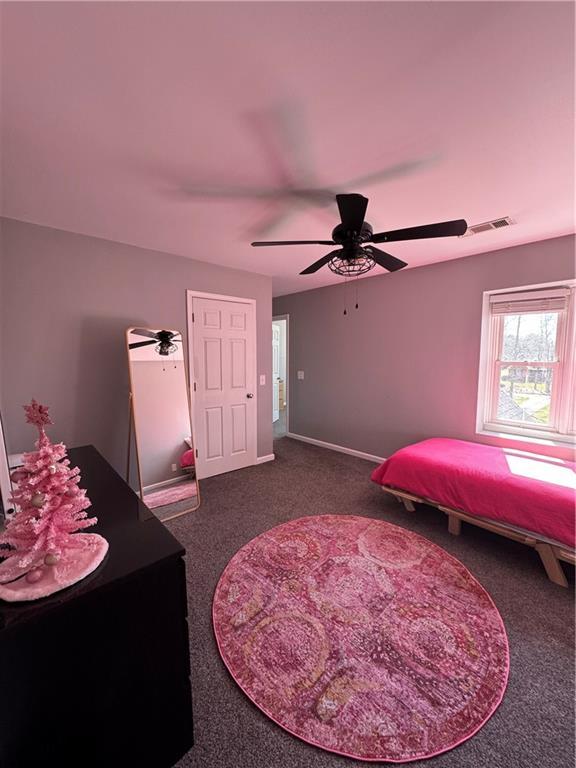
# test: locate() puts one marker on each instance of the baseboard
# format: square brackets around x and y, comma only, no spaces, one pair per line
[264,459]
[339,448]
[164,483]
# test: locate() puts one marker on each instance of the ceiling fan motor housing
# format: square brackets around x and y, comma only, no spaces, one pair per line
[342,235]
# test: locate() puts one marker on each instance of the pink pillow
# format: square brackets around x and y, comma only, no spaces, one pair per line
[187,458]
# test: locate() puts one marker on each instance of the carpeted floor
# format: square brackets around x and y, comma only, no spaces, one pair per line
[534,725]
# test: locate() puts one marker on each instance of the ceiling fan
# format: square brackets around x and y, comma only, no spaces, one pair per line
[355,256]
[165,340]
[281,137]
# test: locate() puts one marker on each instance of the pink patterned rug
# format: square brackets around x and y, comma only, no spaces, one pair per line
[361,637]
[171,494]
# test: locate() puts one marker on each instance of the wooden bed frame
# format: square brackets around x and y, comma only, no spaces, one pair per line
[550,551]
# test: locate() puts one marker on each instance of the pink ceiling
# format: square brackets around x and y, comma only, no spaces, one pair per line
[117,118]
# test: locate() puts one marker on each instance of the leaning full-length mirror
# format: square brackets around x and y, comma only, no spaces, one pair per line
[160,411]
[5,485]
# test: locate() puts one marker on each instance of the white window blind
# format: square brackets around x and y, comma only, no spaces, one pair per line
[551,300]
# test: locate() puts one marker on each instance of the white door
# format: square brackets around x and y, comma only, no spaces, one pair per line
[275,372]
[224,385]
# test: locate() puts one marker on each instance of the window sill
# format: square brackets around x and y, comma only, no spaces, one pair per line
[558,441]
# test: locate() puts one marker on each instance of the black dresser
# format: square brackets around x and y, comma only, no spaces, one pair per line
[99,674]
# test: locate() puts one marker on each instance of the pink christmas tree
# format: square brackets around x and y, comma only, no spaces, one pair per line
[41,542]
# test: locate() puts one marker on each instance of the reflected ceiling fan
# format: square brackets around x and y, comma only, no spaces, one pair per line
[165,340]
[355,256]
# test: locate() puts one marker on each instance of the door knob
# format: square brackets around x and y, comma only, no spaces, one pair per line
[250,394]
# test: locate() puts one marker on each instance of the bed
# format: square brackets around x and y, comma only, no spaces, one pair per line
[523,496]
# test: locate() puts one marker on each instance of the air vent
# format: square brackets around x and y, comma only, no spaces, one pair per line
[475,229]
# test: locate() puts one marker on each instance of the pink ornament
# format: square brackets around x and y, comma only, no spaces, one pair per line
[37,500]
[34,575]
[50,559]
[18,475]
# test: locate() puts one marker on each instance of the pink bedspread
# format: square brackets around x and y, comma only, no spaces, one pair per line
[533,492]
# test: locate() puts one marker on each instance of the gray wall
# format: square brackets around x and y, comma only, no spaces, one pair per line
[404,366]
[65,303]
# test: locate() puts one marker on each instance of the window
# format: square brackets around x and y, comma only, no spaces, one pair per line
[528,362]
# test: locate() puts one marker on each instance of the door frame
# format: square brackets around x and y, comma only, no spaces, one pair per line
[287,382]
[190,296]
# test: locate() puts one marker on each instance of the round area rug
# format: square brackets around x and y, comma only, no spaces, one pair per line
[361,637]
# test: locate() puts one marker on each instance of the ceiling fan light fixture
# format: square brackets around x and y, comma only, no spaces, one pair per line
[166,348]
[358,264]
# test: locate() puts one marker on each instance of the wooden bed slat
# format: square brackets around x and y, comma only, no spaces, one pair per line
[550,552]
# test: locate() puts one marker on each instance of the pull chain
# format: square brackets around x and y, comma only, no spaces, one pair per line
[347,295]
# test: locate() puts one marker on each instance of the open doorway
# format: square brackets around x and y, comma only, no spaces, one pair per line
[280,375]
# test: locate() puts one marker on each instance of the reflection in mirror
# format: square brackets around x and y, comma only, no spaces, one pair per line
[5,485]
[162,424]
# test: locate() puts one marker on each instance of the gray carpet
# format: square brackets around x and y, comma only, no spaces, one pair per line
[534,726]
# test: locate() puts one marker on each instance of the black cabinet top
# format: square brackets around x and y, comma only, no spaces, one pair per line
[136,538]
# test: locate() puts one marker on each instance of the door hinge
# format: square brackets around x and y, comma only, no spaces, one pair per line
[192,316]
[196,452]
[194,386]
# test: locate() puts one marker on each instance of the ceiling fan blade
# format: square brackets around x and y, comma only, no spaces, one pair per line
[320,263]
[144,332]
[142,344]
[392,172]
[442,229]
[391,263]
[228,192]
[352,211]
[295,242]
[275,214]
[289,119]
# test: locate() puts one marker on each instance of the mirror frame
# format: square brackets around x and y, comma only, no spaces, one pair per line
[132,426]
[5,481]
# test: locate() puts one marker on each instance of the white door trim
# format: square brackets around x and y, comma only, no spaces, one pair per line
[287,382]
[190,296]
[276,345]
[219,296]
